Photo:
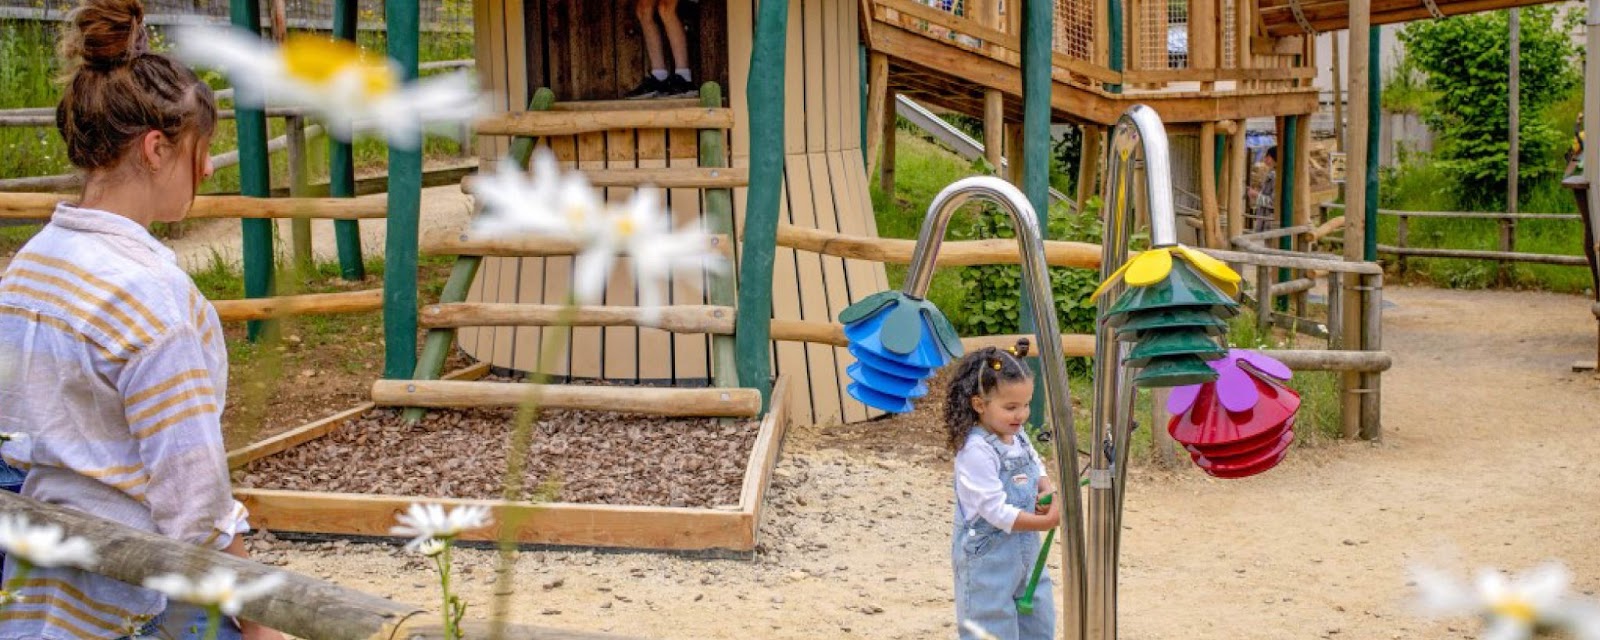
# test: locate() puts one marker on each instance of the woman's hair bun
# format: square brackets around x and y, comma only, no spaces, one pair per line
[105,34]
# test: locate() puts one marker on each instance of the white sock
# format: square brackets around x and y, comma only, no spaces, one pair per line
[685,74]
[660,74]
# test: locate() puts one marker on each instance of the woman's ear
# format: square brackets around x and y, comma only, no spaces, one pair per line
[151,150]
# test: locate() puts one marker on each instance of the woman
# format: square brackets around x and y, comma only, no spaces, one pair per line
[118,368]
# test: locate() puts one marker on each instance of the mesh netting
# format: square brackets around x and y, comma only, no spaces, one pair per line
[1074,28]
[1229,37]
[1177,34]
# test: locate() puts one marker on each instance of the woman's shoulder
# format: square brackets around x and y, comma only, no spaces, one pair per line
[94,277]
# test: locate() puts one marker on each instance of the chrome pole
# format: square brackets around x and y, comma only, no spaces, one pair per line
[1057,394]
[1138,132]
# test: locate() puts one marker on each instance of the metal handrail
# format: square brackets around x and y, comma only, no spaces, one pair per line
[1058,397]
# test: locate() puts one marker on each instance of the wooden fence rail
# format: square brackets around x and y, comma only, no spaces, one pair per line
[1508,238]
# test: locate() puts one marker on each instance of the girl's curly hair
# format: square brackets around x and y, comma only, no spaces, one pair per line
[976,375]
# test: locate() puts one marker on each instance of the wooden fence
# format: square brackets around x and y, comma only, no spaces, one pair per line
[1402,249]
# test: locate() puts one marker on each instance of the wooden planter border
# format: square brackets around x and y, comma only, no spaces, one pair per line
[722,528]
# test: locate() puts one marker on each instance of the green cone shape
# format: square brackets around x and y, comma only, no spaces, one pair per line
[1174,342]
[1182,290]
[1140,323]
[1175,371]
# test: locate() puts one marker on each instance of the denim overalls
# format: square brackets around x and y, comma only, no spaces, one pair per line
[992,567]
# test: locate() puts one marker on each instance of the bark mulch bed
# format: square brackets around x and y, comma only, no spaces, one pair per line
[575,456]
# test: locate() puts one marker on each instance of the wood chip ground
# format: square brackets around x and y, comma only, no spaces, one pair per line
[574,456]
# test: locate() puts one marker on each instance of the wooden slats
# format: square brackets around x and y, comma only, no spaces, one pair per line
[662,178]
[676,318]
[653,104]
[951,254]
[655,401]
[304,304]
[458,242]
[555,123]
[39,206]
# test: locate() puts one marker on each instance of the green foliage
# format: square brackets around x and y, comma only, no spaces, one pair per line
[1464,58]
[1406,88]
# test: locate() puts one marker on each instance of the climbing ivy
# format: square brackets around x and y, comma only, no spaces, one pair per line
[1465,59]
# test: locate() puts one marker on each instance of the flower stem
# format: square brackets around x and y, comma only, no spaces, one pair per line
[213,622]
[444,587]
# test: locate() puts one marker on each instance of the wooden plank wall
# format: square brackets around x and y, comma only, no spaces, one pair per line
[825,182]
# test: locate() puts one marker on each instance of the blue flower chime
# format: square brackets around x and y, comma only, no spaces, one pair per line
[898,342]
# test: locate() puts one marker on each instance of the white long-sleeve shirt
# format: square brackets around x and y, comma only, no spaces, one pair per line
[980,491]
[117,376]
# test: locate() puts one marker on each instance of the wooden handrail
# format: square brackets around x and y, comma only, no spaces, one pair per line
[656,401]
[674,178]
[39,206]
[463,242]
[553,123]
[676,318]
[957,253]
[299,305]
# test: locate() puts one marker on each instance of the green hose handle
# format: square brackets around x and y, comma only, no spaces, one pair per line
[1025,603]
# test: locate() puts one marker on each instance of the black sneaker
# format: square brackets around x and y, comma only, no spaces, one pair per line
[677,87]
[649,88]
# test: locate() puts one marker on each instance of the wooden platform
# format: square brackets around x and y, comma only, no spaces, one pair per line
[730,528]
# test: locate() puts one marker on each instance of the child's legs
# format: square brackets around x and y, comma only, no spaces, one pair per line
[988,575]
[676,36]
[645,11]
[1041,624]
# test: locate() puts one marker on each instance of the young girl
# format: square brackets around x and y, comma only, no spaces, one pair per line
[118,369]
[999,484]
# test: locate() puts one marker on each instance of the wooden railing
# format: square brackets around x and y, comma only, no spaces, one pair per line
[1402,249]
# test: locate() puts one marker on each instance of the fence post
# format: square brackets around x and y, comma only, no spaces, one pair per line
[255,179]
[341,164]
[299,228]
[405,203]
[1405,231]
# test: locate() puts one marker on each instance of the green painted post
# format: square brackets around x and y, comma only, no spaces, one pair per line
[1222,143]
[1374,127]
[255,179]
[753,330]
[1038,20]
[342,164]
[1287,152]
[1114,50]
[405,204]
[724,289]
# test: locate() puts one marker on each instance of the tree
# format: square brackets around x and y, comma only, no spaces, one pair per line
[1465,59]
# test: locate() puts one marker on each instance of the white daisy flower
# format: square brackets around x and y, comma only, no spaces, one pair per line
[1513,609]
[218,588]
[423,522]
[432,547]
[642,230]
[551,202]
[350,90]
[43,545]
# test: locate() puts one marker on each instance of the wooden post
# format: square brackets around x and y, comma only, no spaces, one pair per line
[1203,37]
[1015,158]
[1508,226]
[1239,160]
[1089,164]
[1302,196]
[880,108]
[994,126]
[405,205]
[1401,237]
[1037,31]
[1338,97]
[886,163]
[1162,447]
[255,179]
[723,290]
[299,228]
[1210,216]
[1355,228]
[341,164]
[765,92]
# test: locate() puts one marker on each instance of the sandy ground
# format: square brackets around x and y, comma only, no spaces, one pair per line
[1486,462]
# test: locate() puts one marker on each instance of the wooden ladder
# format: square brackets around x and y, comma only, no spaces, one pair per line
[725,398]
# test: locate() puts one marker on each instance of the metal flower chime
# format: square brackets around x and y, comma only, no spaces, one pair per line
[1242,423]
[1173,312]
[899,341]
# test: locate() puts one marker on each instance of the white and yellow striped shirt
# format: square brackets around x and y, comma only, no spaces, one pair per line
[117,375]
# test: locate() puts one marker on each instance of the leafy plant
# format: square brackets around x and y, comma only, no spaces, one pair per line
[1464,58]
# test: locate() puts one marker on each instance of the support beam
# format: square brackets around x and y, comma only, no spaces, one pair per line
[675,318]
[879,107]
[655,401]
[1238,178]
[553,123]
[951,253]
[255,178]
[1210,215]
[253,309]
[1591,119]
[1508,227]
[405,206]
[1089,164]
[722,289]
[342,163]
[1355,228]
[887,137]
[765,92]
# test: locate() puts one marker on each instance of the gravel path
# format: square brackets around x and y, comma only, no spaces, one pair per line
[1488,461]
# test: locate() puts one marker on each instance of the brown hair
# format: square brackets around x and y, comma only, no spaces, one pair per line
[976,376]
[117,90]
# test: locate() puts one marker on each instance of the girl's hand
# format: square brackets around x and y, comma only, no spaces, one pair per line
[1040,507]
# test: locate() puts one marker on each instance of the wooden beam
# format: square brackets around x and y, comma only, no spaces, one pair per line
[1276,46]
[555,123]
[662,178]
[1319,360]
[1210,212]
[302,606]
[878,106]
[1073,345]
[555,523]
[656,401]
[809,331]
[464,242]
[951,254]
[676,318]
[655,104]
[763,458]
[39,206]
[299,305]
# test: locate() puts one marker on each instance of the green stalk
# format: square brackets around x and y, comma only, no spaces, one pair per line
[23,569]
[213,622]
[444,586]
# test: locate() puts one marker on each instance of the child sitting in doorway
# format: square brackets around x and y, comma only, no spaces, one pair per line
[658,83]
[1000,482]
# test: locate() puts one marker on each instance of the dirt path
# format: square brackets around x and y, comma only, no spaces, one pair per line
[1487,460]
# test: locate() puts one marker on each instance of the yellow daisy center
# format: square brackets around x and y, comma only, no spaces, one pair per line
[624,226]
[318,60]
[1515,608]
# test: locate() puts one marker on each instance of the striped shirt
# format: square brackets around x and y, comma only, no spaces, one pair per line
[117,373]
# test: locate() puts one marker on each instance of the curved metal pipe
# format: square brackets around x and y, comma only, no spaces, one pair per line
[1138,130]
[1058,397]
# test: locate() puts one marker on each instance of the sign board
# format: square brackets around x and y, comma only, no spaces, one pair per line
[1336,166]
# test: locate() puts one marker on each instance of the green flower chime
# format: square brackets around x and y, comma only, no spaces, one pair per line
[1173,311]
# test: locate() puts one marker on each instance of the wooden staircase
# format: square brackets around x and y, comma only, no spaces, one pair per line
[711,176]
